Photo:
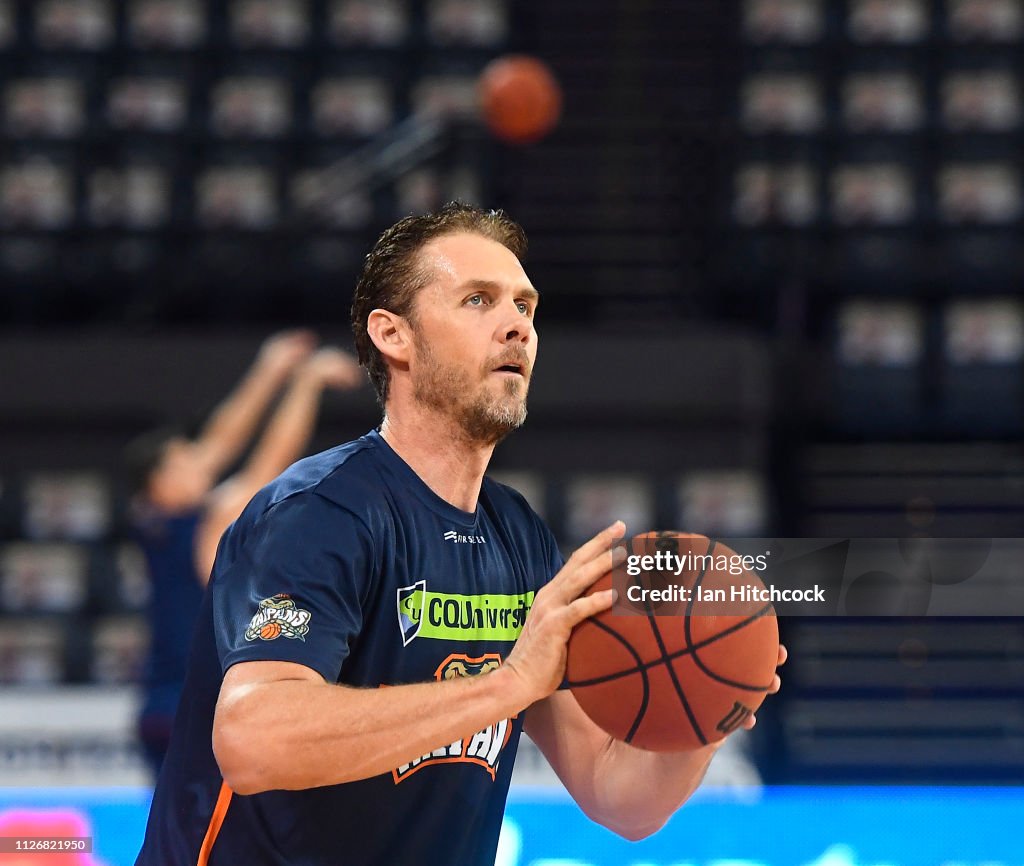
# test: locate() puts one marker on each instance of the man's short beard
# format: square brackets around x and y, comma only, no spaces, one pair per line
[489,423]
[483,421]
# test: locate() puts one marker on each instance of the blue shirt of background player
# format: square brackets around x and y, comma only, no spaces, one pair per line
[346,536]
[168,544]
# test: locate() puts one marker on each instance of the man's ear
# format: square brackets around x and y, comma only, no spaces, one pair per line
[391,335]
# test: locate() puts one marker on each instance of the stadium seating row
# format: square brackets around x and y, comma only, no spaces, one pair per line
[98,25]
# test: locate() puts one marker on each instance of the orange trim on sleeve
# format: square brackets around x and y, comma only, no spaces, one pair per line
[216,820]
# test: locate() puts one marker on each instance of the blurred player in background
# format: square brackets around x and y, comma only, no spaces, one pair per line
[383,621]
[179,510]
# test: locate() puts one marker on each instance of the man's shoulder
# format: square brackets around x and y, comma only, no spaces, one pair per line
[346,475]
[509,508]
[510,503]
[333,495]
[500,492]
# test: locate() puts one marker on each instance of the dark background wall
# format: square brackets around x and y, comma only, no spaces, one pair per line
[74,398]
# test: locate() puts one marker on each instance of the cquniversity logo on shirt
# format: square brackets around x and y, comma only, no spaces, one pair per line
[456,617]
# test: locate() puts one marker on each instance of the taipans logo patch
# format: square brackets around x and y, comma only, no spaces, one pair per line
[410,609]
[278,616]
[484,747]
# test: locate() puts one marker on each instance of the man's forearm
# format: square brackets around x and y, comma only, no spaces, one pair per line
[628,790]
[636,791]
[299,734]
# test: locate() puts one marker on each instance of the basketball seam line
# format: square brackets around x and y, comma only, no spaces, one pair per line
[725,680]
[645,700]
[689,643]
[676,655]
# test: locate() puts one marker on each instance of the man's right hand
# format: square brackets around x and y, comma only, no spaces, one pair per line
[538,659]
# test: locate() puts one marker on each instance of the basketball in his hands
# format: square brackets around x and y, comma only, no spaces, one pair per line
[674,675]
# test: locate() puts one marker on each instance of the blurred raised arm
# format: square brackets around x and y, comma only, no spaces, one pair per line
[233,422]
[283,442]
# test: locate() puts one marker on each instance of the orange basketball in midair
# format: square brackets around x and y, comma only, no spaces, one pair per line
[676,675]
[520,98]
[271,630]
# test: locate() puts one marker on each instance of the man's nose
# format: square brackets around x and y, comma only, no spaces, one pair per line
[515,326]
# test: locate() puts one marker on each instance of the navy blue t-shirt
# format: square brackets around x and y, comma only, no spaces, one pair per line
[349,564]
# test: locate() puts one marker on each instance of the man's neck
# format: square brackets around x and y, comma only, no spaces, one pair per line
[440,454]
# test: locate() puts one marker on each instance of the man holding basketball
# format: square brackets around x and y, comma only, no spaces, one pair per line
[383,621]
